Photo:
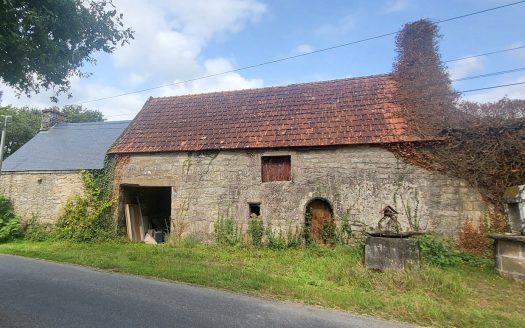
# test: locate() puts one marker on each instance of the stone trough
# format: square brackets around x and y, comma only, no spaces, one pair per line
[388,250]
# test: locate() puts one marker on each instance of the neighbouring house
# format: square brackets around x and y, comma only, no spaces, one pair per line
[43,174]
[317,149]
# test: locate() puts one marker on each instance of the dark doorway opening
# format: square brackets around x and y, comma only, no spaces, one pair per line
[148,210]
[319,222]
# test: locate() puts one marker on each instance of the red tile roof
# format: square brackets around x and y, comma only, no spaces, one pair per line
[339,112]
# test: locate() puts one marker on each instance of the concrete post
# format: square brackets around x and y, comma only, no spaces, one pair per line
[2,141]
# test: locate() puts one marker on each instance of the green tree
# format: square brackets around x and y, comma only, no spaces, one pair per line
[44,43]
[78,114]
[25,123]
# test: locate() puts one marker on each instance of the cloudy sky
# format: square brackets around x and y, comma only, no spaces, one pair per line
[177,40]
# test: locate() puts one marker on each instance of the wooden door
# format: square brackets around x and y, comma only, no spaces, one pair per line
[321,216]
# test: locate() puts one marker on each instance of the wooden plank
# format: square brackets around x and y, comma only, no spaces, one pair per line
[133,222]
[128,222]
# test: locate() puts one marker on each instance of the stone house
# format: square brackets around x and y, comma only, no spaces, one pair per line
[43,174]
[279,151]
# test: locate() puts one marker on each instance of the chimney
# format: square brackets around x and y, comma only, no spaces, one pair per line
[51,117]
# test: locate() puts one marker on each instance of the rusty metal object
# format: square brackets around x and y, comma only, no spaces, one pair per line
[390,218]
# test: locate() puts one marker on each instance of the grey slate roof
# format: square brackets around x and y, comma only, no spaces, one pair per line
[66,147]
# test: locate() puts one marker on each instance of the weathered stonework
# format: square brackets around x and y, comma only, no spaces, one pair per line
[41,195]
[382,253]
[509,252]
[358,181]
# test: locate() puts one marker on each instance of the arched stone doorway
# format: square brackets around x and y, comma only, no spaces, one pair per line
[319,219]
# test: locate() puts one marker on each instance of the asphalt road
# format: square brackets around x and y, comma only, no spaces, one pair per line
[36,293]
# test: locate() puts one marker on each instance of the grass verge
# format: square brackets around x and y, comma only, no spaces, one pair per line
[460,296]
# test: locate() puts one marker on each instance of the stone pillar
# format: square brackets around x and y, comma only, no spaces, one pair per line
[510,255]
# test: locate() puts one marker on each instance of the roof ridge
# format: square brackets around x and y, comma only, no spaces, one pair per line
[90,123]
[278,86]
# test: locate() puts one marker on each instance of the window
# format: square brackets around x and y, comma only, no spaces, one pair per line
[276,168]
[255,209]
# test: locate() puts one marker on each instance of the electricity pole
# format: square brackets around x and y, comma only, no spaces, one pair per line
[2,141]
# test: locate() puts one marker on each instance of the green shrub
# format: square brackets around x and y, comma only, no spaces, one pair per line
[307,230]
[328,233]
[36,231]
[256,230]
[227,232]
[9,222]
[438,251]
[345,231]
[275,240]
[294,237]
[86,217]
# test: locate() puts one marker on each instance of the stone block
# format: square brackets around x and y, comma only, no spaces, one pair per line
[513,265]
[383,253]
[509,248]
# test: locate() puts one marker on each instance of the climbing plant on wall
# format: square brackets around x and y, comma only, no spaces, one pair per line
[88,216]
[483,144]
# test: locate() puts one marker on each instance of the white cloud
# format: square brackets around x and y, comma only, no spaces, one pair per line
[491,95]
[337,29]
[230,81]
[170,35]
[463,68]
[168,45]
[396,6]
[302,49]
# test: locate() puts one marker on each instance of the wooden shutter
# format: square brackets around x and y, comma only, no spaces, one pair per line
[276,168]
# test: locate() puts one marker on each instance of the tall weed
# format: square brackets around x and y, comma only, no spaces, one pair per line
[10,227]
[227,232]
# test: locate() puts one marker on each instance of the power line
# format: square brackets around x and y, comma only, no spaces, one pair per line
[458,59]
[296,56]
[479,12]
[489,74]
[492,87]
[485,54]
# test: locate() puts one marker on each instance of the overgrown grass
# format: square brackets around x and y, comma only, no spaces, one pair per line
[459,295]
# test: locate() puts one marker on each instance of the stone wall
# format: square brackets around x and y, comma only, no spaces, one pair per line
[358,181]
[40,194]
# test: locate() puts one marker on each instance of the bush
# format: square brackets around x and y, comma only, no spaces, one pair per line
[277,240]
[441,252]
[226,231]
[345,231]
[474,240]
[328,233]
[294,237]
[86,217]
[438,251]
[36,231]
[256,230]
[9,222]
